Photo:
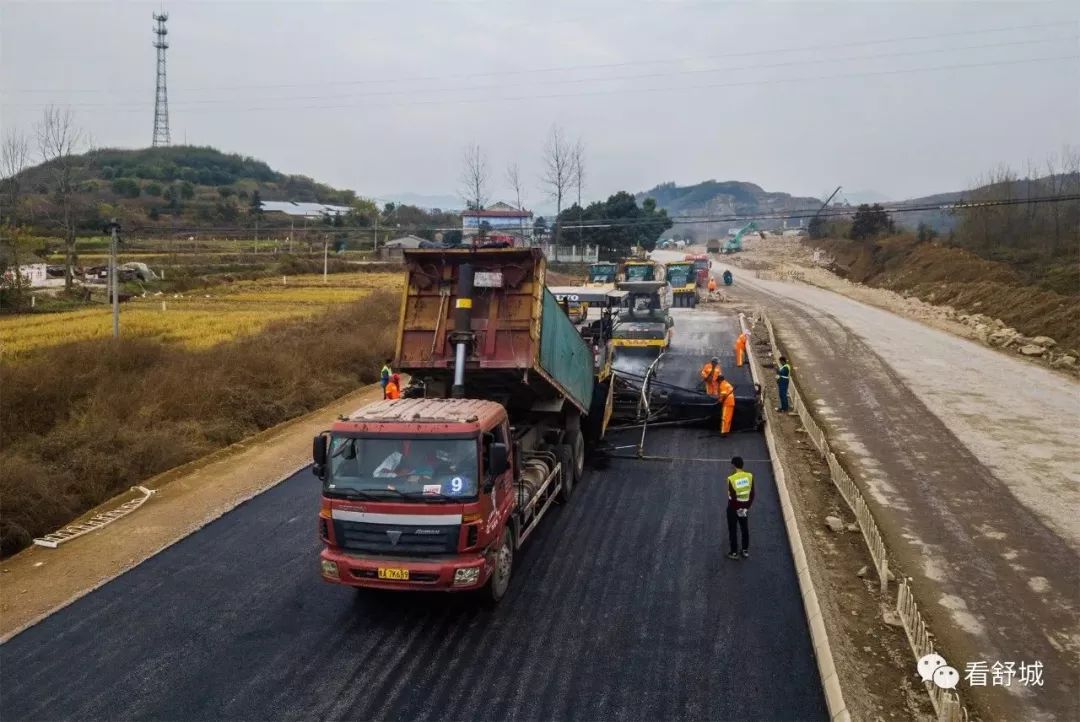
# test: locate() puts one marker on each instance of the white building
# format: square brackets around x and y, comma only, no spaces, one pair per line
[501,219]
[304,210]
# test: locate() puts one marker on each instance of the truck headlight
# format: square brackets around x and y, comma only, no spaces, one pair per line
[329,569]
[467,576]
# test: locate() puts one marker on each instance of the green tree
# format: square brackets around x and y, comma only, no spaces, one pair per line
[153,189]
[126,187]
[870,222]
[618,224]
[187,190]
[255,205]
[925,233]
[817,228]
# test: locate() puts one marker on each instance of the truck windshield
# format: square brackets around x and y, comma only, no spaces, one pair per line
[701,264]
[639,272]
[679,275]
[409,468]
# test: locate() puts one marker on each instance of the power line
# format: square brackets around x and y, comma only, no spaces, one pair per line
[795,214]
[575,81]
[616,91]
[589,66]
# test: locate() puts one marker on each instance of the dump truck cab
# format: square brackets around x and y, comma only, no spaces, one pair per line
[702,265]
[414,491]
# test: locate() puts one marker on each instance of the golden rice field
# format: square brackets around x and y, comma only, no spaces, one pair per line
[194,319]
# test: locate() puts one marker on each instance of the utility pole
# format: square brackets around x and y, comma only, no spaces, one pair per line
[325,259]
[161,96]
[114,276]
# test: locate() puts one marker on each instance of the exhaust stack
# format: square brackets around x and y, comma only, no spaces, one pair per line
[462,334]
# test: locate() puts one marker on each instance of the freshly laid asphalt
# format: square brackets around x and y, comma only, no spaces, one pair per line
[622,606]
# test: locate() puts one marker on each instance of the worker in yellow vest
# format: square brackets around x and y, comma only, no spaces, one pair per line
[384,376]
[740,489]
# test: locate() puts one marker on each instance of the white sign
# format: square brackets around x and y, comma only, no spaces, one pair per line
[488,279]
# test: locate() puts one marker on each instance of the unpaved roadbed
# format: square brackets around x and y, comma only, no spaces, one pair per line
[967,457]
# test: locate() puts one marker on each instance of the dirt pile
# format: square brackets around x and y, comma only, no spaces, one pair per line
[83,421]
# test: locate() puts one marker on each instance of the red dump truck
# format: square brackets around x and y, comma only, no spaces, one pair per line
[437,492]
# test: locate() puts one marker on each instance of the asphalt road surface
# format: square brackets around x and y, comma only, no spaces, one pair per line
[969,461]
[622,606]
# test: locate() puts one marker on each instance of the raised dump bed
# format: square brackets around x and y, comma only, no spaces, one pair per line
[521,348]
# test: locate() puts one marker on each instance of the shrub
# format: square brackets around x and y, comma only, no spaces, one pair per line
[83,421]
[126,187]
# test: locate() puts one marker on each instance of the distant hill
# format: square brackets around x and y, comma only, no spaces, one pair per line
[724,198]
[162,188]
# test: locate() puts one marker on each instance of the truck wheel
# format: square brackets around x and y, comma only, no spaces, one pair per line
[565,454]
[577,445]
[499,581]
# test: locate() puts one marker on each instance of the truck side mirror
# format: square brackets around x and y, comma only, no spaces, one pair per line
[500,459]
[318,454]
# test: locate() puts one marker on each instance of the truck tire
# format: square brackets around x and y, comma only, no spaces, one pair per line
[499,581]
[577,446]
[565,454]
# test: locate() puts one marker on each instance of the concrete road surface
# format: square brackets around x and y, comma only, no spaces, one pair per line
[970,460]
[622,606]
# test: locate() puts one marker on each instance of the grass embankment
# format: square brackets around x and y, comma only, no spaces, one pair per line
[81,420]
[943,274]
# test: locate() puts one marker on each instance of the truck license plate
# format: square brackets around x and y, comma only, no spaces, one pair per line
[393,573]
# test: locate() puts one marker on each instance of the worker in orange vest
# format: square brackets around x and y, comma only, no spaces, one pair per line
[727,399]
[711,375]
[393,389]
[712,284]
[740,347]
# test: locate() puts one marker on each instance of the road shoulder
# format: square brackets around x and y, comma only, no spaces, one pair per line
[38,581]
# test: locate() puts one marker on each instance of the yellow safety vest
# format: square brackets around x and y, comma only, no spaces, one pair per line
[742,482]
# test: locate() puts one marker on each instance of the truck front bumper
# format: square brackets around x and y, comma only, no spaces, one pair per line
[469,571]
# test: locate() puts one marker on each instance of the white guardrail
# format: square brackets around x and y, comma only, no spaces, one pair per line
[946,703]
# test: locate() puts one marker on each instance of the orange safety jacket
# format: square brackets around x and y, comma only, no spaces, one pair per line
[727,393]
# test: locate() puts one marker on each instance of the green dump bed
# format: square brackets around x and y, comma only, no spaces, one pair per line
[524,349]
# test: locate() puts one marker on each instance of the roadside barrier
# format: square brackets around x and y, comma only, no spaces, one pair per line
[946,703]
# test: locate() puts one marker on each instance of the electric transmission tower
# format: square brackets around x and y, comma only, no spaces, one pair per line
[161,96]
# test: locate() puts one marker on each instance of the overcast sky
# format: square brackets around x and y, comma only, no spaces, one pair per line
[904,99]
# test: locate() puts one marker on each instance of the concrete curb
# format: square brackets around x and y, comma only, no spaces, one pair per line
[830,681]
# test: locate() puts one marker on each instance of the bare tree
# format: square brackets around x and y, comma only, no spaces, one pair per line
[58,141]
[513,179]
[558,177]
[474,177]
[14,159]
[578,157]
